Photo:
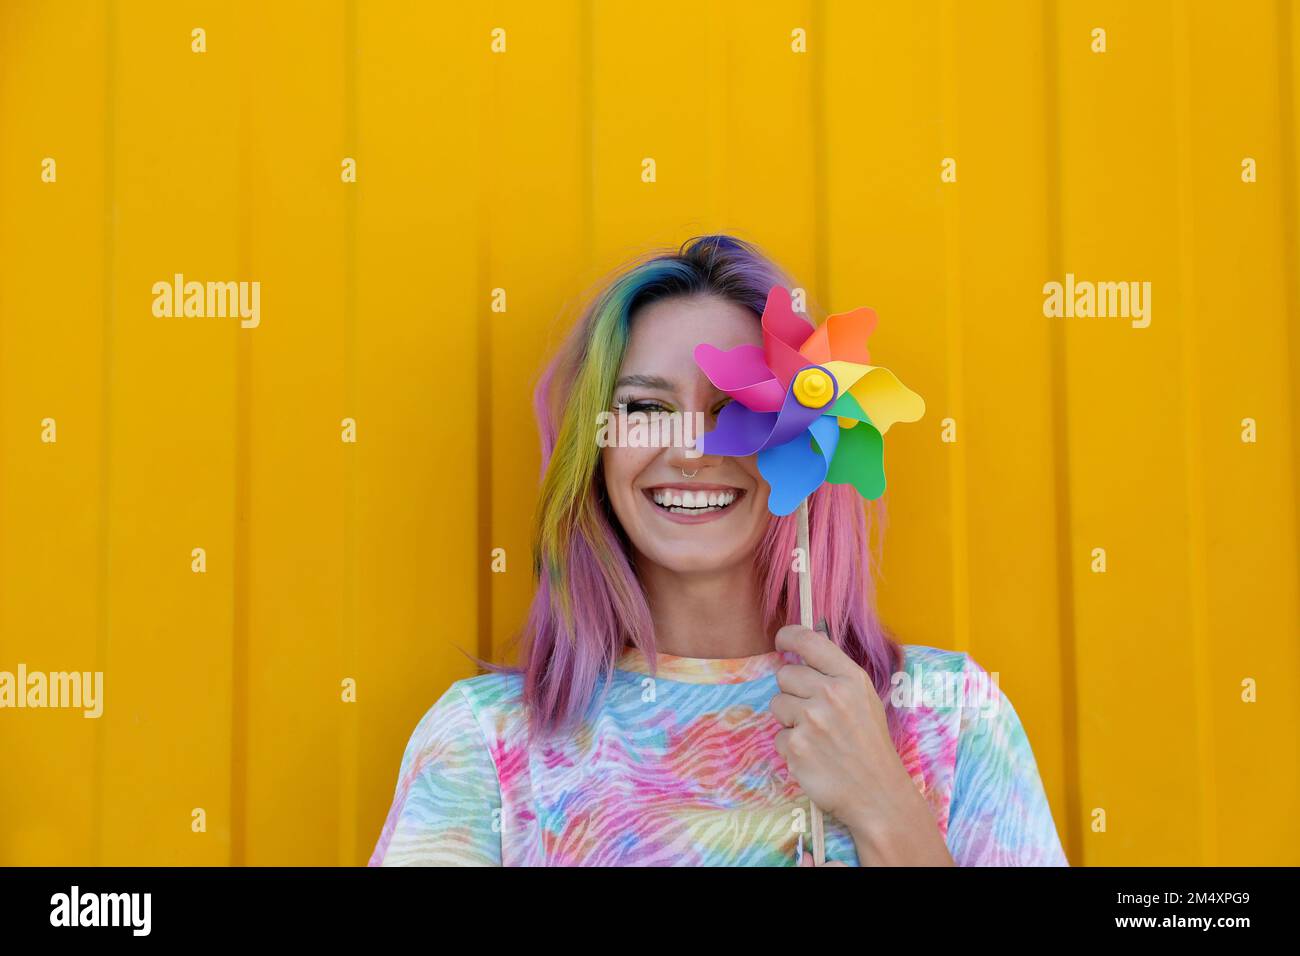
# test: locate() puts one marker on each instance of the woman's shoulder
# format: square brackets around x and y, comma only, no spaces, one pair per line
[488,705]
[921,658]
[933,657]
[491,691]
[946,684]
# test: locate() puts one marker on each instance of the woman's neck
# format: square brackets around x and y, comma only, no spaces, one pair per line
[715,614]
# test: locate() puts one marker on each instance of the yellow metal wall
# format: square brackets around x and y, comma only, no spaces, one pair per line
[522,170]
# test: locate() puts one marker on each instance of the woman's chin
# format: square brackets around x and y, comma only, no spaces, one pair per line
[688,561]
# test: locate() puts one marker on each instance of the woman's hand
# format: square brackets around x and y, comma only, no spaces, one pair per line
[837,746]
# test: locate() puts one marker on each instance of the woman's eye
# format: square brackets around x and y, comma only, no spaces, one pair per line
[645,407]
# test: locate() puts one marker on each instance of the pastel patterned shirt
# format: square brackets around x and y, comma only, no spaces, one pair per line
[679,768]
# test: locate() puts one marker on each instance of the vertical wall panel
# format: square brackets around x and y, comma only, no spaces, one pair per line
[1121,221]
[998,257]
[413,371]
[171,462]
[534,182]
[765,185]
[886,248]
[1240,367]
[293,663]
[52,261]
[647,102]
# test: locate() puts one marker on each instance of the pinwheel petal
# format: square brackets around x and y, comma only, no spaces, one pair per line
[742,374]
[781,320]
[794,470]
[826,436]
[885,399]
[742,431]
[796,417]
[848,411]
[859,461]
[841,338]
[739,432]
[783,332]
[847,374]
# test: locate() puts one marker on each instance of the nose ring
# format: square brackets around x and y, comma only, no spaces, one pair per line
[691,475]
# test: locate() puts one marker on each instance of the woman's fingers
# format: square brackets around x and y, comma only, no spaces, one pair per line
[817,650]
[786,709]
[799,680]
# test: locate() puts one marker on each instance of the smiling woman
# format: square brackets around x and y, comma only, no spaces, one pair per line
[666,709]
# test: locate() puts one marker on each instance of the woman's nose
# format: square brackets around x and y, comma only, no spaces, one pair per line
[690,459]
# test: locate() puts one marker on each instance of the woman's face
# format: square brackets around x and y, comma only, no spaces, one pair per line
[715,519]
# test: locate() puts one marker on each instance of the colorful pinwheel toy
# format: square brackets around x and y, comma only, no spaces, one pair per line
[814,409]
[809,403]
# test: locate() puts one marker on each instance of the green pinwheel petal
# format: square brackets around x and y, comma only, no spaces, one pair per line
[859,459]
[846,406]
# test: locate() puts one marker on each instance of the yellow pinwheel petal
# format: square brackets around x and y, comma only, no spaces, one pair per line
[846,373]
[885,399]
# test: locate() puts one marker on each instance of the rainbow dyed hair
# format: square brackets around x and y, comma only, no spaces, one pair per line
[588,603]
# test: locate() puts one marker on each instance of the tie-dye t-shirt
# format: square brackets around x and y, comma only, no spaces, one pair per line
[680,769]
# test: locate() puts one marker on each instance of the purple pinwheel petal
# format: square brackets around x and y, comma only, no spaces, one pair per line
[793,470]
[739,431]
[795,417]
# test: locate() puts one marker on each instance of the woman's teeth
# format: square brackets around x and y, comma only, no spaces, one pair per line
[693,502]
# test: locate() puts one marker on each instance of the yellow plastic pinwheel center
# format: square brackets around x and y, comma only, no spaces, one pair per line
[813,388]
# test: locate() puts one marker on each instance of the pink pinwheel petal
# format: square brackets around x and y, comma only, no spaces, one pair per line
[783,332]
[841,338]
[742,374]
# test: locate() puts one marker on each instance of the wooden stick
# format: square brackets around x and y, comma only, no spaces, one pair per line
[806,619]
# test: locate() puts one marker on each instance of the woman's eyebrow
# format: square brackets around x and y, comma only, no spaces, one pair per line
[645,381]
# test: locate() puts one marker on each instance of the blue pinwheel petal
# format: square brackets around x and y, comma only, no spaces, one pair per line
[826,433]
[794,470]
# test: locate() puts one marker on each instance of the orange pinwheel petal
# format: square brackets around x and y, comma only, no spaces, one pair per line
[842,337]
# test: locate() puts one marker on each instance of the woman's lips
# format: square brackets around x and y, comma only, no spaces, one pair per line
[693,504]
